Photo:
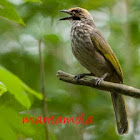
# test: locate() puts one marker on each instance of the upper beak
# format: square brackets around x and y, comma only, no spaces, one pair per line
[65,11]
[68,12]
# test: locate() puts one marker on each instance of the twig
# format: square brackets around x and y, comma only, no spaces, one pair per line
[107,86]
[43,90]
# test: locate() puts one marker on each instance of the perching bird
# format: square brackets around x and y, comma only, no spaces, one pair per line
[95,54]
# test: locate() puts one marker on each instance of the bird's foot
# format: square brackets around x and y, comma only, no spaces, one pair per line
[82,75]
[99,80]
[79,76]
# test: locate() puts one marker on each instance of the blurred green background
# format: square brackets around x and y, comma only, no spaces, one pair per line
[22,24]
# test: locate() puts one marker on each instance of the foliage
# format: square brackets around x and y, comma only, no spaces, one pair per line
[8,11]
[19,59]
[17,88]
[2,88]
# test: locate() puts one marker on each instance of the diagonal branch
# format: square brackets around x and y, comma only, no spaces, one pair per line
[107,86]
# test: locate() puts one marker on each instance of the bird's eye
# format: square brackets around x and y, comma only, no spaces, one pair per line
[76,11]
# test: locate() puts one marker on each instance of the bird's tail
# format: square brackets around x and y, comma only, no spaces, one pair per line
[120,113]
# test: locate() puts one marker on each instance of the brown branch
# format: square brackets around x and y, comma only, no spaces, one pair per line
[107,86]
[43,89]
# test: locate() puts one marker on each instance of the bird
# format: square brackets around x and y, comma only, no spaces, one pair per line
[95,54]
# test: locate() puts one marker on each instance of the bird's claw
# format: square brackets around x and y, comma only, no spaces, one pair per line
[79,76]
[98,81]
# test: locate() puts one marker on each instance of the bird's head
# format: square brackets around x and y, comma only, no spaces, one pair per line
[77,14]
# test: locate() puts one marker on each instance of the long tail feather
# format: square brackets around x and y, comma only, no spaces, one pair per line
[120,113]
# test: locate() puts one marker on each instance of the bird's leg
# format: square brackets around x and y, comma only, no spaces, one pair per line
[99,80]
[79,76]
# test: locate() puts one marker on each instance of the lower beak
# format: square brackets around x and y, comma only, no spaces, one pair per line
[66,18]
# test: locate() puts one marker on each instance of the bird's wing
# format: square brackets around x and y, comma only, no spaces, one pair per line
[105,49]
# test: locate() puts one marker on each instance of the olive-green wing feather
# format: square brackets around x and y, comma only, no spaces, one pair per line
[101,44]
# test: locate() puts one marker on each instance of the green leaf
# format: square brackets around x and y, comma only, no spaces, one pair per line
[17,88]
[52,38]
[11,124]
[39,1]
[8,11]
[29,90]
[2,88]
[6,131]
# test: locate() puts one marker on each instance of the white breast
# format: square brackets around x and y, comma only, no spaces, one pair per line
[85,52]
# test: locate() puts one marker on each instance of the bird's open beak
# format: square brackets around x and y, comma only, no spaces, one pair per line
[68,12]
